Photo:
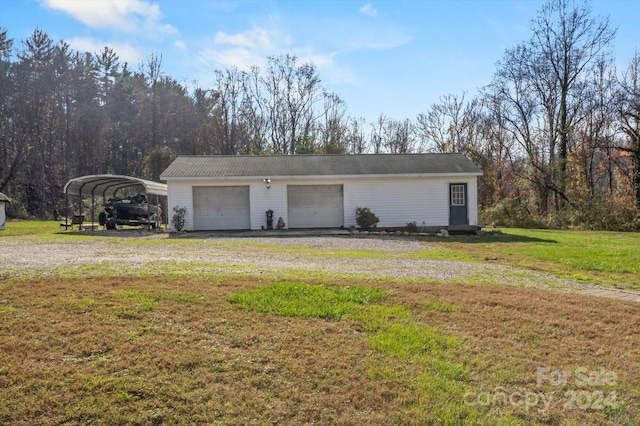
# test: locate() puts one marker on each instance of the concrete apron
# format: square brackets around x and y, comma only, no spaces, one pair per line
[269,233]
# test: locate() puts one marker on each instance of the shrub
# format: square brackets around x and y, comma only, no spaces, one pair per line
[179,214]
[412,227]
[511,213]
[365,218]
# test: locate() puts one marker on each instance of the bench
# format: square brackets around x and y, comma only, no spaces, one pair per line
[75,220]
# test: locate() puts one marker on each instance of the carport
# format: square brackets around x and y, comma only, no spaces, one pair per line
[108,186]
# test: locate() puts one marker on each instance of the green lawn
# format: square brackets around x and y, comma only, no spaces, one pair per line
[607,258]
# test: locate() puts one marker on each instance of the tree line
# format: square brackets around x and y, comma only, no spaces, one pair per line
[556,131]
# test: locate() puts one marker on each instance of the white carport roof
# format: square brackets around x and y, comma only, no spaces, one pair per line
[107,185]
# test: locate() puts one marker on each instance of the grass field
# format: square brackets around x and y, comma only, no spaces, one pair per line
[611,259]
[241,348]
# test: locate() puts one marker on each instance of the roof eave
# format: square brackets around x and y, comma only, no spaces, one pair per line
[310,177]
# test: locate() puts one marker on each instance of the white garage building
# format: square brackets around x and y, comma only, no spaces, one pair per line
[322,191]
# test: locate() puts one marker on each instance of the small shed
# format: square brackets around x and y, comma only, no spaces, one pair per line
[3,201]
[435,191]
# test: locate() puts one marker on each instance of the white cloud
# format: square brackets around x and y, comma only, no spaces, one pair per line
[130,16]
[125,52]
[255,39]
[242,59]
[243,50]
[367,9]
[252,48]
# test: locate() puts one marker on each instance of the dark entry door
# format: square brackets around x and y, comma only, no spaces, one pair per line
[458,213]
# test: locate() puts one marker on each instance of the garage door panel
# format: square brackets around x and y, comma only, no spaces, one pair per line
[221,208]
[315,206]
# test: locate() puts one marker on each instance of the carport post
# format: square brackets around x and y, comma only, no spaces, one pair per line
[80,204]
[159,210]
[66,210]
[92,208]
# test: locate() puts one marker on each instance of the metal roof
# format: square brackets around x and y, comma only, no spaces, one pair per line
[108,185]
[268,166]
[4,198]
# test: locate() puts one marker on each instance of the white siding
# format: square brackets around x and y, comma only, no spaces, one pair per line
[263,199]
[399,201]
[179,194]
[396,201]
[472,194]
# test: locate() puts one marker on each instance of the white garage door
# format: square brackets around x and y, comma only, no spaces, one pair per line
[221,207]
[315,206]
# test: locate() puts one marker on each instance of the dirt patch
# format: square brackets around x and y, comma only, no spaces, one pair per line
[631,296]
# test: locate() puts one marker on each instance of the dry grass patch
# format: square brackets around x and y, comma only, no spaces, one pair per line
[523,340]
[162,351]
[95,351]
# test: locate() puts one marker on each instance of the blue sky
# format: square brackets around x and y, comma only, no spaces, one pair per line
[381,57]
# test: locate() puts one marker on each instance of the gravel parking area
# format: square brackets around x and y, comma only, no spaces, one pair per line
[257,255]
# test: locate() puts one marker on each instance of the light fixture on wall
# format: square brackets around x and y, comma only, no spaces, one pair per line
[267,182]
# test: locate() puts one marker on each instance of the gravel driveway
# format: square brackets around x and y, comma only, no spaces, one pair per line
[92,254]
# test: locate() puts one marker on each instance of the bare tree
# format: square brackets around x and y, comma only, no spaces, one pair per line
[356,139]
[230,90]
[254,111]
[542,85]
[202,138]
[512,102]
[453,125]
[332,129]
[292,93]
[440,128]
[629,113]
[567,40]
[593,137]
[377,134]
[498,151]
[398,136]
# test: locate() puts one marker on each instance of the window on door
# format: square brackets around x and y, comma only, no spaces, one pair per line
[457,195]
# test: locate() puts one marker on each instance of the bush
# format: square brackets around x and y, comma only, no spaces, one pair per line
[412,227]
[511,213]
[365,219]
[595,213]
[610,214]
[179,214]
